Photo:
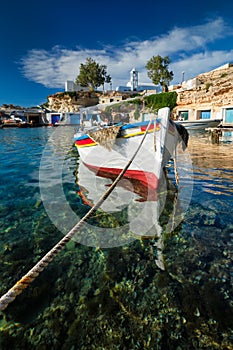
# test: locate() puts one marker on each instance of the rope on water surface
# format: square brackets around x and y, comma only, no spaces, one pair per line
[24,282]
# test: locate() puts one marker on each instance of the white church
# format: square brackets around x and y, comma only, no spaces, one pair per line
[134,85]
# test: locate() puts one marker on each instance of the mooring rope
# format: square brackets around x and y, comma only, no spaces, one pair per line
[175,168]
[24,282]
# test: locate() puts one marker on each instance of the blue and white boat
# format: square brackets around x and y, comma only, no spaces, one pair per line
[199,124]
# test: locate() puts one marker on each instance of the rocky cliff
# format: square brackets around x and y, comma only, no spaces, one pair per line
[73,101]
[212,90]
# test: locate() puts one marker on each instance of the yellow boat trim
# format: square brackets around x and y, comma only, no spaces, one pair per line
[139,133]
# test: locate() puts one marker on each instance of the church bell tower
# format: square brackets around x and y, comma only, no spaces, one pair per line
[134,79]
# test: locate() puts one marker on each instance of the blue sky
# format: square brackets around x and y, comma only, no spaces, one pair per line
[44,42]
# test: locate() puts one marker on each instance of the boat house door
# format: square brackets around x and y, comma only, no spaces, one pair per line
[55,118]
[229,116]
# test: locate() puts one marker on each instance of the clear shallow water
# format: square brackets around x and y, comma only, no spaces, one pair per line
[116,298]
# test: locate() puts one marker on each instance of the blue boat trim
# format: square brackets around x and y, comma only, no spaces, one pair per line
[136,125]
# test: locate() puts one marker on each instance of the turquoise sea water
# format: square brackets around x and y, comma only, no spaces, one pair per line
[119,297]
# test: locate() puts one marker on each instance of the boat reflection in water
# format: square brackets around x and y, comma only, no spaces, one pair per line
[132,208]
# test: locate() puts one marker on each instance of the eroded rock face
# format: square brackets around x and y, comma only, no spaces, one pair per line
[72,102]
[213,91]
[65,102]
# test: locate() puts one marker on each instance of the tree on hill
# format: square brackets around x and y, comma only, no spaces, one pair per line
[157,71]
[108,80]
[92,74]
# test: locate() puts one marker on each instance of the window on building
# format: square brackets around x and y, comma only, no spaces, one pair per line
[205,114]
[183,115]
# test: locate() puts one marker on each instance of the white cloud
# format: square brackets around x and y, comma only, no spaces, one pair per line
[200,63]
[187,47]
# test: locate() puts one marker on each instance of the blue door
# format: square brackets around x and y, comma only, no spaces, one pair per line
[205,115]
[55,118]
[229,116]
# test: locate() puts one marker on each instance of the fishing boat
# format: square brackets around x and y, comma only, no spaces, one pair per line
[108,149]
[11,122]
[199,124]
[23,124]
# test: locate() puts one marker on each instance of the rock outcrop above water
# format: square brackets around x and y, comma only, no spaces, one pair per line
[73,101]
[212,90]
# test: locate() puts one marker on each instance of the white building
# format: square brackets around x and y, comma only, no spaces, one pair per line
[70,86]
[134,85]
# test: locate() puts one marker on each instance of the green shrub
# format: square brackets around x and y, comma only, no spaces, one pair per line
[223,75]
[207,86]
[157,101]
